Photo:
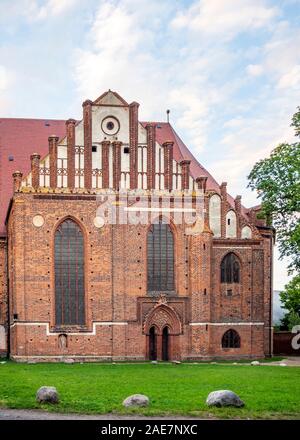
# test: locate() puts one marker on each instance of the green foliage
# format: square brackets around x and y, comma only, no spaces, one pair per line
[293,319]
[290,299]
[277,182]
[268,391]
[296,122]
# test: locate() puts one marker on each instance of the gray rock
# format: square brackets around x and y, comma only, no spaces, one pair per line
[224,398]
[282,364]
[47,395]
[136,400]
[255,363]
[31,362]
[69,361]
[176,362]
[154,362]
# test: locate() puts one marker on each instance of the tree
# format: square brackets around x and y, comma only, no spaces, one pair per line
[290,298]
[277,181]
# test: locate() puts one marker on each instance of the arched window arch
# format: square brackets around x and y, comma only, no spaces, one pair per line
[215,214]
[160,246]
[69,274]
[231,339]
[246,232]
[231,224]
[230,269]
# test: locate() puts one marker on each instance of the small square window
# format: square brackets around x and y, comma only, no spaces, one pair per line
[126,150]
[228,221]
[229,292]
[94,149]
[10,158]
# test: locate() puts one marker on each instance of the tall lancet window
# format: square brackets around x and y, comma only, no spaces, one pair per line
[160,245]
[230,269]
[69,274]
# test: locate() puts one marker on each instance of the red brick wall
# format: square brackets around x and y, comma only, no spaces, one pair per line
[116,288]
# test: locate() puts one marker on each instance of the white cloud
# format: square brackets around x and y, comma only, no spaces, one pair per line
[4,78]
[119,57]
[291,79]
[6,82]
[52,8]
[254,69]
[34,11]
[225,18]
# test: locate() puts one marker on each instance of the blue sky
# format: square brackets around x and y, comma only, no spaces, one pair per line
[229,70]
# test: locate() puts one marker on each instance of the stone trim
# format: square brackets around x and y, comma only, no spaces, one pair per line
[53,333]
[225,323]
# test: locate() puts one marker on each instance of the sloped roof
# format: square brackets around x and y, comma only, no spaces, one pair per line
[19,138]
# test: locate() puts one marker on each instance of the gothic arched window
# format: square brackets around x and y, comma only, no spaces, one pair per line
[160,245]
[230,269]
[69,274]
[231,339]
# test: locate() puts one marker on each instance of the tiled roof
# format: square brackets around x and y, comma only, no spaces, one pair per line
[19,138]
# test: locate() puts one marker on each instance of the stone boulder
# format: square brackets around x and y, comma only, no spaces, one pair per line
[136,400]
[47,395]
[224,398]
[176,362]
[255,363]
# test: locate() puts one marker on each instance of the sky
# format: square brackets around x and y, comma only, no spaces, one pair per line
[228,70]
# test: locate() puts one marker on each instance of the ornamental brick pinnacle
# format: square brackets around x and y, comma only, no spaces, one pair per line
[87,126]
[70,127]
[52,141]
[105,163]
[17,176]
[133,143]
[35,170]
[151,152]
[168,164]
[185,166]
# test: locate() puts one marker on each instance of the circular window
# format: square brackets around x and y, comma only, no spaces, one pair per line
[110,125]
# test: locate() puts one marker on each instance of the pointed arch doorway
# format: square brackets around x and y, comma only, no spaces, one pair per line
[162,328]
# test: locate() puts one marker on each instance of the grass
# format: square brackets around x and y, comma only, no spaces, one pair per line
[268,392]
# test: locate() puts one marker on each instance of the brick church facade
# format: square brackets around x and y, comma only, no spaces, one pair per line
[116,244]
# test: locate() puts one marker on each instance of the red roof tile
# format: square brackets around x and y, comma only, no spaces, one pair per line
[20,138]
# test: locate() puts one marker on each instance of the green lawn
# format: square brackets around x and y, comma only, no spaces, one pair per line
[268,391]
